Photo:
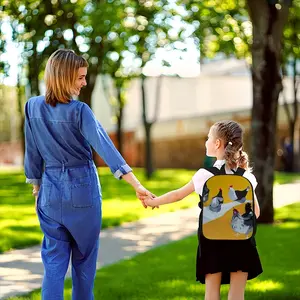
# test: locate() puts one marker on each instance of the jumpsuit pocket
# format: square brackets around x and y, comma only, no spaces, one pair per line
[81,195]
[44,199]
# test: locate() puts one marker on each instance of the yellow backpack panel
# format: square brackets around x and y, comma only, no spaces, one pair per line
[227,204]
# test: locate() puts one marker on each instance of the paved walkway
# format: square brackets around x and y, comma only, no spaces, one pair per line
[21,271]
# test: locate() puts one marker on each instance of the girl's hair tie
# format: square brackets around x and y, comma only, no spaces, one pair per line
[230,143]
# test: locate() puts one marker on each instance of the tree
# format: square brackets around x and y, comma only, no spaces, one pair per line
[115,67]
[38,42]
[291,57]
[268,26]
[85,27]
[220,27]
[224,27]
[150,31]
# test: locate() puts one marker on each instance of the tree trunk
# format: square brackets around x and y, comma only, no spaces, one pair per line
[297,145]
[268,23]
[33,74]
[86,92]
[148,151]
[21,114]
[120,120]
[296,154]
[147,127]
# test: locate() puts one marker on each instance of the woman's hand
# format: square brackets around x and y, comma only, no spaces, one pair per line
[35,193]
[36,198]
[142,193]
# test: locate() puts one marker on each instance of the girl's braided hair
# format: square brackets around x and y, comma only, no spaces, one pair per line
[231,133]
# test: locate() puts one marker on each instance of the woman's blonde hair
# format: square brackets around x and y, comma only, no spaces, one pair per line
[60,75]
[231,133]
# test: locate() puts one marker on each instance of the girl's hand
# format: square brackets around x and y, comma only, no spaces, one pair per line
[150,202]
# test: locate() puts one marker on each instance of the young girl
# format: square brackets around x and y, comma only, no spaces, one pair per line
[221,261]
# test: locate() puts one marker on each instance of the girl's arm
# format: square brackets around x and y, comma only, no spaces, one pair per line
[256,207]
[172,196]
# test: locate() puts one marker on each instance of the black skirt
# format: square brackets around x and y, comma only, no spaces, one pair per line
[225,257]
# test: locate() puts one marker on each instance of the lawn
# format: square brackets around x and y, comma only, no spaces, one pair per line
[19,226]
[282,178]
[168,272]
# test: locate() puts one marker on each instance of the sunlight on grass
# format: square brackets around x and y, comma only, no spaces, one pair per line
[168,272]
[289,225]
[172,284]
[294,273]
[19,225]
[265,286]
[282,178]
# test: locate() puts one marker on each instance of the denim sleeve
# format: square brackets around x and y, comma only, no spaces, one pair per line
[97,137]
[33,162]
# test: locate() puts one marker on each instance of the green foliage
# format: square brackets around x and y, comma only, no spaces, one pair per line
[291,45]
[106,33]
[168,272]
[221,27]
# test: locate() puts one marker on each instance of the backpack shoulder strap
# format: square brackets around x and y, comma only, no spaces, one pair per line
[216,171]
[239,171]
[213,170]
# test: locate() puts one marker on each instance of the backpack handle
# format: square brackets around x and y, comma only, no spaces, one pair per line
[239,171]
[216,171]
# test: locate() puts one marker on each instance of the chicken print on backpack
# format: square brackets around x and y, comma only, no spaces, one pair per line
[216,202]
[239,196]
[242,223]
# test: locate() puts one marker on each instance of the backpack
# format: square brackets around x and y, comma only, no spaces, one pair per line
[227,204]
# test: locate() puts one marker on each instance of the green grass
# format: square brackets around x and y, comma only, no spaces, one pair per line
[282,178]
[19,226]
[168,272]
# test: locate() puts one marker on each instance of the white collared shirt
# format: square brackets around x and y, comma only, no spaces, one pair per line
[202,175]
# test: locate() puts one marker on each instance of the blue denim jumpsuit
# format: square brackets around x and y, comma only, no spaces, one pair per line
[58,157]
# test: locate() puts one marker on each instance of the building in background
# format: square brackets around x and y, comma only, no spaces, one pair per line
[188,107]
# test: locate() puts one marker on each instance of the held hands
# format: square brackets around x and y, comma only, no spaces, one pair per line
[149,201]
[144,194]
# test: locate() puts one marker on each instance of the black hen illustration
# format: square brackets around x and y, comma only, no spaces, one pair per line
[248,215]
[205,194]
[242,223]
[216,202]
[239,196]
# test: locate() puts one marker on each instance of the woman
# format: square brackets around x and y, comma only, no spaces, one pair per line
[59,133]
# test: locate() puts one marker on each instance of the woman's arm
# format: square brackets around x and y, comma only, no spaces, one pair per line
[98,138]
[172,196]
[33,161]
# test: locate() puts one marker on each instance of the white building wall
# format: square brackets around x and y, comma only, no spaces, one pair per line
[189,102]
